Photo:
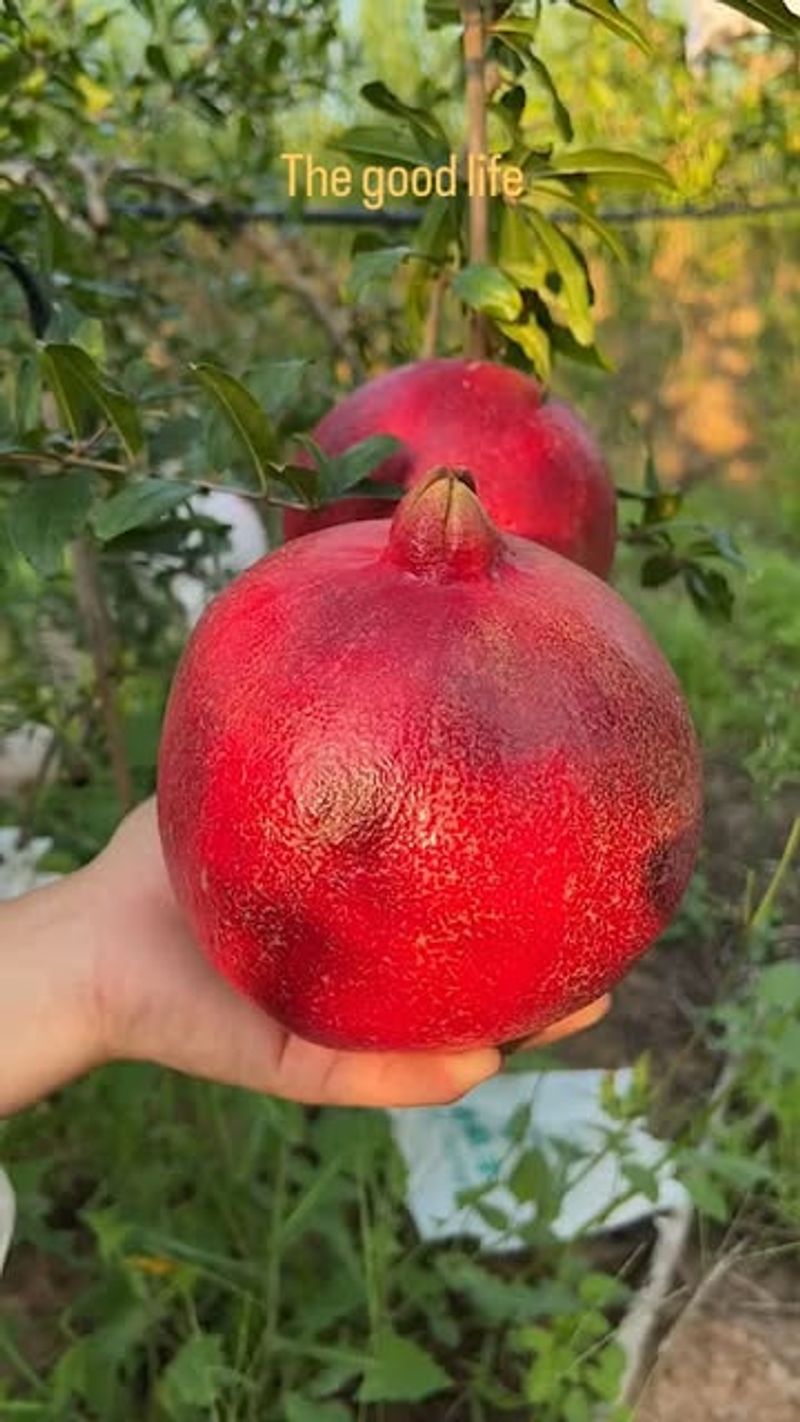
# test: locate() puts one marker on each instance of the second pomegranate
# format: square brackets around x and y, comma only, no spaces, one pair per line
[538,471]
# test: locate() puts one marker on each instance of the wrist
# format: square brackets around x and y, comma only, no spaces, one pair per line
[50,1028]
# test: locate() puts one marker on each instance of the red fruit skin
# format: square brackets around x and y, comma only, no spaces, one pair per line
[407,811]
[538,471]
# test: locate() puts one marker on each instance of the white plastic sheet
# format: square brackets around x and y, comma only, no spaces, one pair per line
[451,1149]
[7,1214]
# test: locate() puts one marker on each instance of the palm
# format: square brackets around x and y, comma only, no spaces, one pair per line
[161,1000]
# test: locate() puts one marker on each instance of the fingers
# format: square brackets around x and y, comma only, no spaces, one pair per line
[188,1018]
[383,1078]
[569,1026]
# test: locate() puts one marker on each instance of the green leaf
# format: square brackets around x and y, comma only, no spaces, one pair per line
[710,592]
[519,1123]
[519,26]
[641,1179]
[380,145]
[519,255]
[80,388]
[243,413]
[370,272]
[174,439]
[561,192]
[195,1376]
[512,103]
[110,1229]
[717,543]
[442,12]
[563,343]
[438,228]
[277,384]
[303,482]
[707,1197]
[300,1409]
[425,125]
[346,470]
[140,503]
[600,1290]
[533,1180]
[663,507]
[46,513]
[500,1300]
[564,262]
[401,1371]
[609,164]
[785,1050]
[651,481]
[577,1406]
[532,340]
[742,1172]
[614,20]
[774,14]
[779,986]
[492,1215]
[158,62]
[335,1375]
[560,112]
[27,395]
[658,569]
[485,288]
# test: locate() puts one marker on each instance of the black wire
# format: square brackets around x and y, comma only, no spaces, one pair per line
[39,305]
[216,214]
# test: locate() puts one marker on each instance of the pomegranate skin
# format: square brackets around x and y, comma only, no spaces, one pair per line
[425,785]
[538,470]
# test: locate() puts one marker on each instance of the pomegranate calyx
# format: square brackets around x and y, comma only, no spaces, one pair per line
[441,531]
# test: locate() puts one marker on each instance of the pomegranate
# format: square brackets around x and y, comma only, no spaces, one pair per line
[425,785]
[538,470]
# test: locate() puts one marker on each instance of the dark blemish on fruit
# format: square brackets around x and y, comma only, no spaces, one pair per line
[345,801]
[666,869]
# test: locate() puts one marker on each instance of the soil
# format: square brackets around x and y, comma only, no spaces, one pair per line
[738,1360]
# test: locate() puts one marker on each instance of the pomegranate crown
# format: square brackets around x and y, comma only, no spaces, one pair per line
[441,531]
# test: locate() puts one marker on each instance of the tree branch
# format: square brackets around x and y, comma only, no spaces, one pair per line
[475,66]
[51,456]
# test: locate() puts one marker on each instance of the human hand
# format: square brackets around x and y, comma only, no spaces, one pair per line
[109,971]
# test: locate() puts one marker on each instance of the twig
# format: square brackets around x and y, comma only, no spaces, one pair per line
[640,1322]
[707,1286]
[636,1331]
[90,173]
[19,173]
[105,466]
[49,456]
[761,915]
[99,635]
[474,63]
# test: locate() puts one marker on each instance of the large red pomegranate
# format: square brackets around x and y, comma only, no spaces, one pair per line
[425,785]
[538,471]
